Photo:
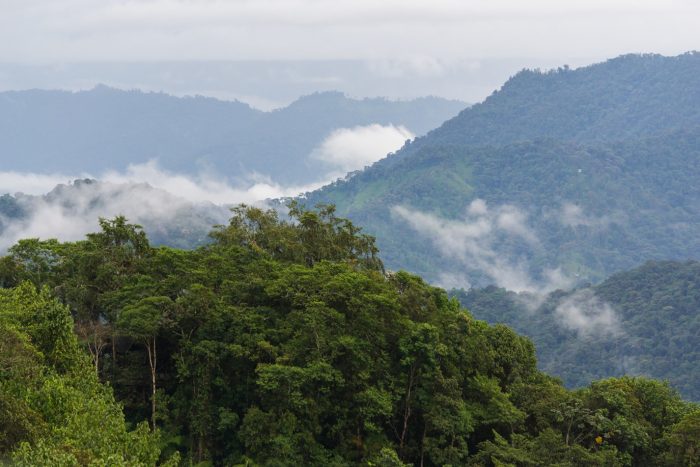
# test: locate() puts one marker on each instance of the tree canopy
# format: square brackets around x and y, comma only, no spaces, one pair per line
[285,342]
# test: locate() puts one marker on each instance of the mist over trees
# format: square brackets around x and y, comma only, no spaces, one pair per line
[653,330]
[69,211]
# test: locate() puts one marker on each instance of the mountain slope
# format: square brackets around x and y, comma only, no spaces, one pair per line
[591,195]
[655,330]
[626,97]
[106,128]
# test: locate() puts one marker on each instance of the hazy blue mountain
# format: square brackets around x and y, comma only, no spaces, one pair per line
[598,165]
[657,325]
[106,128]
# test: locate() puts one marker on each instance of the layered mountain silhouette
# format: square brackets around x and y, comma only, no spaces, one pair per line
[106,128]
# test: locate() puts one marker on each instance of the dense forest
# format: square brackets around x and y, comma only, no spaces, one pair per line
[599,163]
[657,310]
[286,342]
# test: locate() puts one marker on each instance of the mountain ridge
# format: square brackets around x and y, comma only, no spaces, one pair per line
[639,181]
[108,129]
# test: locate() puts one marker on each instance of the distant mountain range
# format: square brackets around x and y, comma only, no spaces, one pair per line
[645,321]
[106,128]
[559,177]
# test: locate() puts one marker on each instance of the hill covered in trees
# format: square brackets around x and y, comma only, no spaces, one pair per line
[108,129]
[645,322]
[286,343]
[569,173]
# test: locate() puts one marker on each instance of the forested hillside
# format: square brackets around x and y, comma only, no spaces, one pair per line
[579,173]
[653,330]
[108,129]
[286,343]
[627,97]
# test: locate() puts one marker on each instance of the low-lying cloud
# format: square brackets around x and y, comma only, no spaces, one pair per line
[349,149]
[70,211]
[573,215]
[32,183]
[158,198]
[205,186]
[201,187]
[586,314]
[161,200]
[472,241]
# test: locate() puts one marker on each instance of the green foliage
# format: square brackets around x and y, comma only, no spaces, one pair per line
[285,342]
[656,306]
[312,237]
[684,442]
[54,410]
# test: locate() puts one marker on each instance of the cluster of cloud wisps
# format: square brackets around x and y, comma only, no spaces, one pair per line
[71,210]
[204,186]
[472,241]
[151,195]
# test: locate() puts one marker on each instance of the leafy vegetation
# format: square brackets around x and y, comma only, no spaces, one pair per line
[285,342]
[656,308]
[625,98]
[54,410]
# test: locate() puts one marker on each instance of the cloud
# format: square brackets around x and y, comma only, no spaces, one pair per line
[586,314]
[32,183]
[157,198]
[146,194]
[348,149]
[572,215]
[81,30]
[202,187]
[68,212]
[472,241]
[205,186]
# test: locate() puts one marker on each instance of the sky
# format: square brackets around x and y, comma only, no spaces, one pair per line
[461,49]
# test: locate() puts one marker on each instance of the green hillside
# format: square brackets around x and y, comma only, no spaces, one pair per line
[627,97]
[601,187]
[657,309]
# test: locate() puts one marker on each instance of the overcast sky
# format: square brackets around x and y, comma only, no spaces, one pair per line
[420,41]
